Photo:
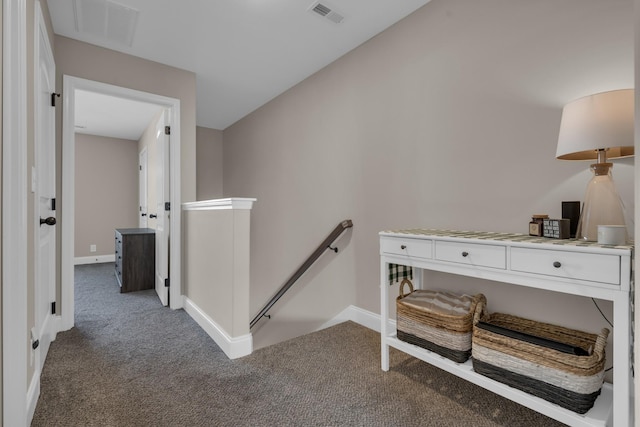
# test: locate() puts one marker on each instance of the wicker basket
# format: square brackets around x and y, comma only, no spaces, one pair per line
[541,363]
[444,328]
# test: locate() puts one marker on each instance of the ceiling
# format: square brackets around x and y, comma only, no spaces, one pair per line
[243,52]
[106,115]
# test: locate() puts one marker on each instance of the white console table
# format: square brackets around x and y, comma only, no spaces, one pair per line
[567,266]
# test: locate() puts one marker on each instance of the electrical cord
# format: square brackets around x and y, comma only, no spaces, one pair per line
[601,313]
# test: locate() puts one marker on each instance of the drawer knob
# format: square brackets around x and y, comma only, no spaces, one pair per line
[465,254]
[557,264]
[403,247]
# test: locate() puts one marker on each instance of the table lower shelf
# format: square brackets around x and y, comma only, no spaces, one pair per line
[599,415]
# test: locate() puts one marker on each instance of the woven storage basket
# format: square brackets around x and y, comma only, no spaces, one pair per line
[570,380]
[444,328]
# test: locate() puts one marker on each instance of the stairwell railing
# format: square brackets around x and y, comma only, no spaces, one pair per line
[326,244]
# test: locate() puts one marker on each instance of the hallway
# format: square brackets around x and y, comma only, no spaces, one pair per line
[131,362]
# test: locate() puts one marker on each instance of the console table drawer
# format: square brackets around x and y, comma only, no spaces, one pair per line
[570,265]
[412,248]
[479,255]
[584,270]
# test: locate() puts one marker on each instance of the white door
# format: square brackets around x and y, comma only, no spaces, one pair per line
[43,182]
[142,192]
[162,197]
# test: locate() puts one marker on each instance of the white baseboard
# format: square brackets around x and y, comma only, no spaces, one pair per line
[44,338]
[32,395]
[94,259]
[48,333]
[358,315]
[56,326]
[233,347]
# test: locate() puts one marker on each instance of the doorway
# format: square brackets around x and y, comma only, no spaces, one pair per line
[172,107]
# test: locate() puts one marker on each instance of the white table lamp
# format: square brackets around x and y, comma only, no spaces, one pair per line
[598,127]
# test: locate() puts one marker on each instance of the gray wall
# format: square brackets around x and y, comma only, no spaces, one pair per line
[208,163]
[91,62]
[449,119]
[106,191]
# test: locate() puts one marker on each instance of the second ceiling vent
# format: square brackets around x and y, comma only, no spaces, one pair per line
[326,12]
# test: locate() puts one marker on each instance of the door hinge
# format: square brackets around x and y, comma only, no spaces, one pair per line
[167,130]
[53,98]
[53,307]
[167,206]
[166,282]
[53,204]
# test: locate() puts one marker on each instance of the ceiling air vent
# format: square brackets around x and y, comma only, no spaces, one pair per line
[326,12]
[106,19]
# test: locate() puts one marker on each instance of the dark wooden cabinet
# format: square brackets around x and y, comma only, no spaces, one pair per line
[135,258]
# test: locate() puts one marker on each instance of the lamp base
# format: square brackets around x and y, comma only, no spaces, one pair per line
[602,204]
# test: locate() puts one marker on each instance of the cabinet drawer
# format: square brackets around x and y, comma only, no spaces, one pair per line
[493,256]
[569,265]
[413,248]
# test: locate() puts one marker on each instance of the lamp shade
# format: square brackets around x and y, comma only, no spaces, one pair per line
[600,121]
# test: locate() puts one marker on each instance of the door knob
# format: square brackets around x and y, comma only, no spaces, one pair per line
[49,221]
[153,216]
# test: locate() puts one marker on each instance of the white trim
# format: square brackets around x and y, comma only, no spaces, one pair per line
[217,204]
[175,214]
[358,315]
[82,260]
[70,85]
[49,331]
[42,297]
[14,214]
[32,394]
[67,221]
[233,347]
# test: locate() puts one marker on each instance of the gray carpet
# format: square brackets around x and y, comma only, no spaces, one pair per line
[131,362]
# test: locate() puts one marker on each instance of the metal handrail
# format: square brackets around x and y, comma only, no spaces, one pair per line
[326,244]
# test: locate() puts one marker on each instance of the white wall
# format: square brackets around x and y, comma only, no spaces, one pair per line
[449,119]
